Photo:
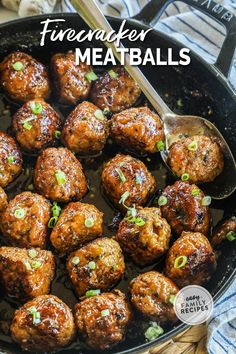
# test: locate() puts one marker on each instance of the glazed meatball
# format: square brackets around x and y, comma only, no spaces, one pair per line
[10,159]
[153,295]
[138,129]
[86,129]
[197,157]
[190,260]
[25,274]
[24,78]
[224,230]
[184,210]
[43,324]
[98,265]
[70,82]
[59,175]
[78,224]
[3,200]
[35,124]
[127,181]
[103,319]
[115,90]
[24,222]
[144,236]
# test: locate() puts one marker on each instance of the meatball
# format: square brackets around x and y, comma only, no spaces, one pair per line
[78,224]
[86,129]
[25,274]
[24,78]
[103,319]
[144,235]
[3,200]
[190,260]
[43,324]
[59,175]
[24,222]
[35,124]
[70,82]
[153,295]
[127,181]
[224,230]
[115,90]
[98,265]
[184,210]
[197,158]
[138,129]
[10,159]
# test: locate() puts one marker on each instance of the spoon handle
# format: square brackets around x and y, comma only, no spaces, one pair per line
[92,15]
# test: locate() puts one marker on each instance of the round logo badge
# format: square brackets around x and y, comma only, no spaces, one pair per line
[193,305]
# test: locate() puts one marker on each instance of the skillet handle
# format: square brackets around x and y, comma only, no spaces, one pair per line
[151,13]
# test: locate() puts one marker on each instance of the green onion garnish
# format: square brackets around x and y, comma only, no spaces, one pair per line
[27,126]
[57,134]
[106,111]
[138,178]
[91,293]
[32,253]
[36,264]
[105,313]
[11,159]
[112,74]
[121,175]
[231,236]
[91,76]
[35,314]
[160,145]
[206,200]
[75,260]
[172,299]
[123,198]
[180,262]
[184,177]
[27,265]
[52,222]
[139,222]
[18,66]
[36,107]
[92,265]
[114,267]
[192,146]
[195,192]
[162,200]
[61,177]
[19,213]
[89,222]
[56,209]
[153,331]
[99,114]
[30,187]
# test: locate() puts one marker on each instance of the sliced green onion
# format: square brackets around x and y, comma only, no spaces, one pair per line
[231,236]
[36,264]
[35,314]
[180,262]
[92,265]
[32,253]
[56,209]
[99,114]
[138,178]
[18,66]
[57,134]
[139,222]
[19,213]
[27,265]
[114,267]
[185,177]
[153,331]
[112,74]
[172,299]
[192,146]
[11,159]
[132,212]
[75,260]
[206,200]
[160,145]
[36,107]
[91,76]
[27,126]
[106,111]
[89,222]
[195,192]
[162,200]
[30,187]
[105,313]
[52,222]
[123,198]
[91,293]
[61,177]
[121,175]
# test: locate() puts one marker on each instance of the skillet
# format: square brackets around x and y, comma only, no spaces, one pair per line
[199,88]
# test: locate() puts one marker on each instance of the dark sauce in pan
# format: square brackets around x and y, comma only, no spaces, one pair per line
[186,98]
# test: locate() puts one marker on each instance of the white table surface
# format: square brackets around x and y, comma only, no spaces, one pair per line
[6,15]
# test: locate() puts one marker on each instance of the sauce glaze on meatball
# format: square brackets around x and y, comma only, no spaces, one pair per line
[144,237]
[59,175]
[23,77]
[98,265]
[3,200]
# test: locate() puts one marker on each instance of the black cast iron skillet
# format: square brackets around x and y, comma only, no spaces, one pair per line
[200,89]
